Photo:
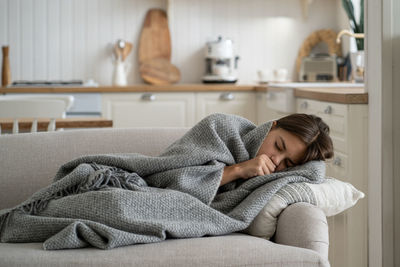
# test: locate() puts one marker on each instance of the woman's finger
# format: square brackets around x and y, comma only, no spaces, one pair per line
[269,163]
[265,169]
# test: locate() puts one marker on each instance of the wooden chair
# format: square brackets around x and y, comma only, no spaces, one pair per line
[17,107]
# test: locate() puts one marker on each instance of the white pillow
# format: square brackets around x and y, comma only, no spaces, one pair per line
[332,196]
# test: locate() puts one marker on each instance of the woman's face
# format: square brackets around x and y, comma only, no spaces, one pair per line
[283,148]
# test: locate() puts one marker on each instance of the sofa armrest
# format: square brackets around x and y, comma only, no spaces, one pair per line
[303,225]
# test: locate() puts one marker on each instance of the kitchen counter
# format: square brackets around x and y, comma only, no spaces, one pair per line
[131,88]
[337,95]
[344,95]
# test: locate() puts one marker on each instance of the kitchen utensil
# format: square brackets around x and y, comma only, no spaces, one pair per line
[221,64]
[117,51]
[126,50]
[159,71]
[5,70]
[121,44]
[155,40]
[119,48]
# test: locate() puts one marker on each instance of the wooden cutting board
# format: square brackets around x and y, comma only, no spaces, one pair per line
[155,39]
[159,71]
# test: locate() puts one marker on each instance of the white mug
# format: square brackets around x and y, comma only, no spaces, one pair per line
[280,74]
[265,75]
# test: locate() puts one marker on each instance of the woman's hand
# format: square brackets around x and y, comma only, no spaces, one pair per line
[260,165]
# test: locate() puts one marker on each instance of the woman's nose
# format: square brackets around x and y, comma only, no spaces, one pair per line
[276,159]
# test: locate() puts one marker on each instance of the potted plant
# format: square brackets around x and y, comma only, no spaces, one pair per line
[357,26]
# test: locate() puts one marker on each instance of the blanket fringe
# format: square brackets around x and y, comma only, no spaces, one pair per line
[102,177]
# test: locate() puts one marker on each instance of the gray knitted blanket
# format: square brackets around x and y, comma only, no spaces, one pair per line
[107,201]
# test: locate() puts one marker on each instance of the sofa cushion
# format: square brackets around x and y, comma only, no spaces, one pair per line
[31,160]
[230,250]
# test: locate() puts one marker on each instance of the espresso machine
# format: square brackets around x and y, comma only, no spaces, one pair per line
[221,64]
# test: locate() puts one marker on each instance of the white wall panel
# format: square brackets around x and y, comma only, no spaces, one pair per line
[73,39]
[14,40]
[92,35]
[3,22]
[27,39]
[39,35]
[67,40]
[79,37]
[53,40]
[104,66]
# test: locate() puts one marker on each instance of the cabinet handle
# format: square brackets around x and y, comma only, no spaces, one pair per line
[337,162]
[148,97]
[227,96]
[328,110]
[270,96]
[304,105]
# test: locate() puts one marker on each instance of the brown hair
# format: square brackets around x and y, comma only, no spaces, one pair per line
[313,131]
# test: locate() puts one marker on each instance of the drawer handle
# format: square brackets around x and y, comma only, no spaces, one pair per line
[328,110]
[271,96]
[337,162]
[227,96]
[148,97]
[304,105]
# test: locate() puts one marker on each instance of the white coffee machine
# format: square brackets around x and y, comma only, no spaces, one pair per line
[221,64]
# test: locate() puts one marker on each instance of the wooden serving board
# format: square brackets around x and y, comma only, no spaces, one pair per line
[159,71]
[155,39]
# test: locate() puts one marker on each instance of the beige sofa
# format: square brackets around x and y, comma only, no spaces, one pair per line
[301,238]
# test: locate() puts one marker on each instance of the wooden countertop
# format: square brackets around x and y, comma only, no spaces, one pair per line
[131,88]
[78,122]
[338,95]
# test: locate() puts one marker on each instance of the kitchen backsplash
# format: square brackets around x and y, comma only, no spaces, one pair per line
[72,39]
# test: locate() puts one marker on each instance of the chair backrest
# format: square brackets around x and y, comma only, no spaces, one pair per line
[68,99]
[17,107]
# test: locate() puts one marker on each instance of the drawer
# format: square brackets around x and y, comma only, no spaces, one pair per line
[282,101]
[335,115]
[338,166]
[328,108]
[339,143]
[238,103]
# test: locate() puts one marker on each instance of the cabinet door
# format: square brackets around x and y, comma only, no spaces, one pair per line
[348,125]
[149,109]
[265,113]
[238,103]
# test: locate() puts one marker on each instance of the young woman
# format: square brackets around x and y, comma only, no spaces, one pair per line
[112,200]
[292,140]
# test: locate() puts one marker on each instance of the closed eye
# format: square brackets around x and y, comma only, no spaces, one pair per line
[277,146]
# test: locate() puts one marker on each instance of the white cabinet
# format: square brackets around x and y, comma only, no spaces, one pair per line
[265,113]
[171,109]
[149,109]
[238,103]
[348,125]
